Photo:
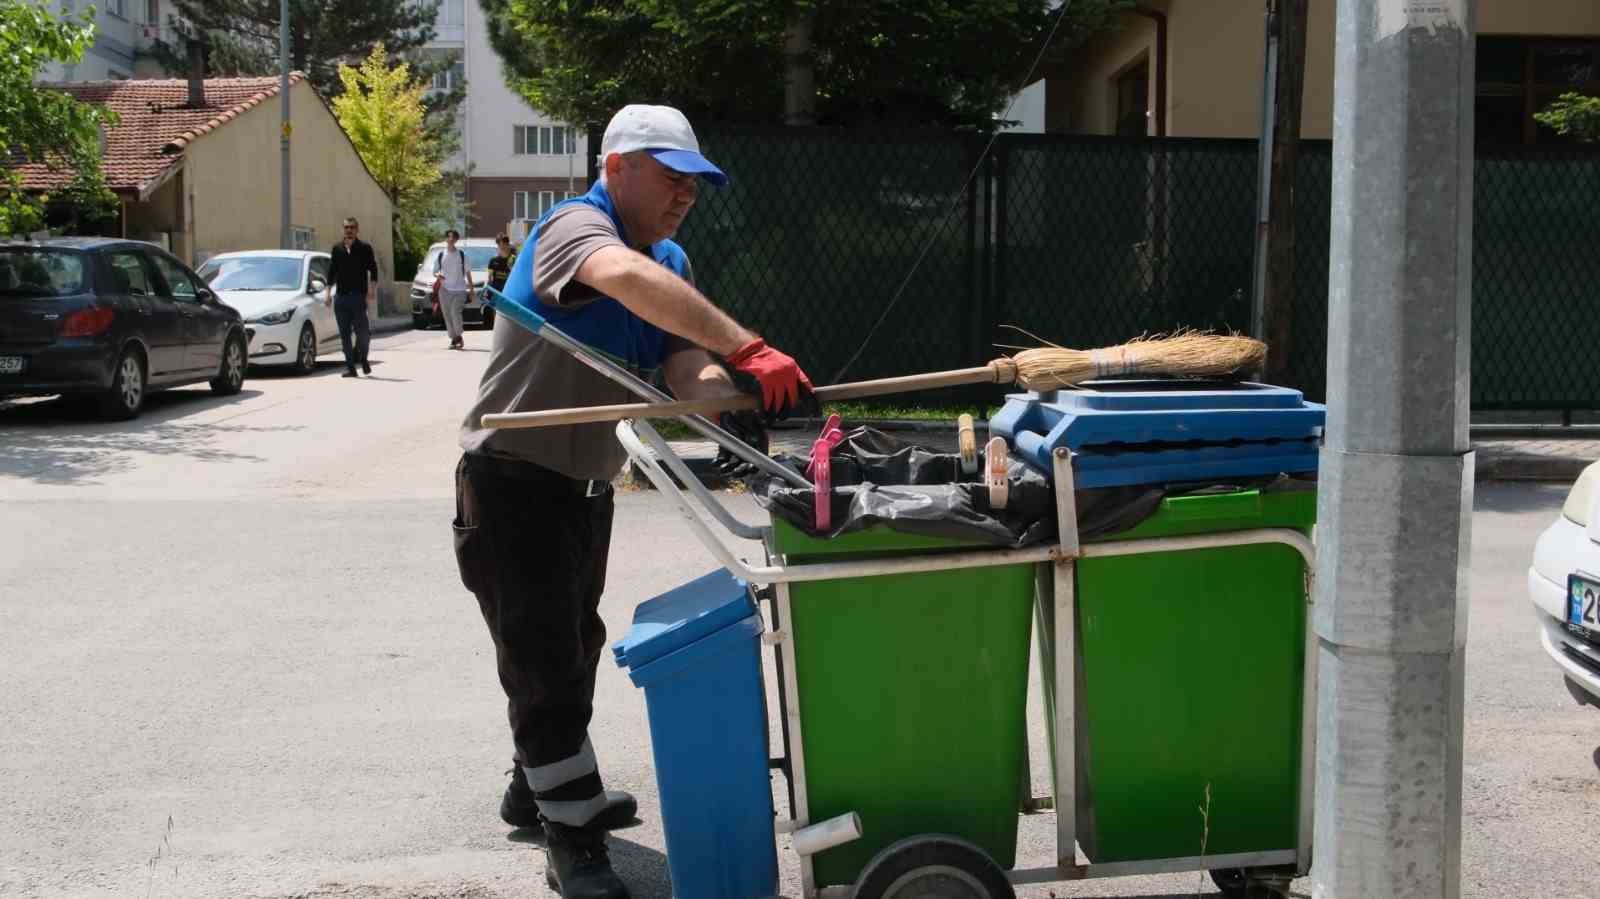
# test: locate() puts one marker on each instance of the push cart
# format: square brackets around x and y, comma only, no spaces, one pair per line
[923,797]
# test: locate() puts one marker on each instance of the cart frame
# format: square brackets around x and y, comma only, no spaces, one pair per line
[1056,570]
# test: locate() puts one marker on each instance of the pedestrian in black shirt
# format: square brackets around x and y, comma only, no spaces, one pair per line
[348,278]
[500,265]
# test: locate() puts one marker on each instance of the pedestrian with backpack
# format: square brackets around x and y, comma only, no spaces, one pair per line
[455,286]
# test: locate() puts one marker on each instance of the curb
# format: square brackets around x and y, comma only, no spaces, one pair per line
[389,325]
[1532,468]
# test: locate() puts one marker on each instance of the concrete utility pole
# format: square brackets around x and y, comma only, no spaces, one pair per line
[285,237]
[1394,529]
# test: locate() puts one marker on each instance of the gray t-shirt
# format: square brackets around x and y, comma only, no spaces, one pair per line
[526,373]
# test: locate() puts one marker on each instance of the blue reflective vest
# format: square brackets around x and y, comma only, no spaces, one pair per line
[604,324]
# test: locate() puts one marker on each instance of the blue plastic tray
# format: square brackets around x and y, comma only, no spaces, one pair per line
[1146,432]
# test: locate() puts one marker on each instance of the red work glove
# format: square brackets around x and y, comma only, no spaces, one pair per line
[779,375]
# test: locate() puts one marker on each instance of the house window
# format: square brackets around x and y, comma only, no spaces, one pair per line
[1133,99]
[152,12]
[114,7]
[542,140]
[302,237]
[522,203]
[453,13]
[1518,77]
[569,195]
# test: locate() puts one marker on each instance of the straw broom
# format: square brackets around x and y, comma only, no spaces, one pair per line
[1186,354]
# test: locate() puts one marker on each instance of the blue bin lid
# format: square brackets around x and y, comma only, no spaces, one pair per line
[1139,412]
[682,616]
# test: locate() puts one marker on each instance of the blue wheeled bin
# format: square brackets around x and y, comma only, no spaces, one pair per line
[696,652]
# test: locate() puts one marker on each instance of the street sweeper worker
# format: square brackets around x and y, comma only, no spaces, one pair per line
[534,506]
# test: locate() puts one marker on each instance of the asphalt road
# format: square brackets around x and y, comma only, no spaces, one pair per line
[236,661]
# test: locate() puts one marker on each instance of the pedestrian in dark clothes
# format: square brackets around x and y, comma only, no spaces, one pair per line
[500,265]
[352,283]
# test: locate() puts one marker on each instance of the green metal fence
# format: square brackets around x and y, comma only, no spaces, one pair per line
[1088,241]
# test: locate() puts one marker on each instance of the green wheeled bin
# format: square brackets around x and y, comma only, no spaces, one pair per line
[912,690]
[1191,683]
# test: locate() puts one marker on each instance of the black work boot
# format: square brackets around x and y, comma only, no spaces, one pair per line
[519,809]
[578,865]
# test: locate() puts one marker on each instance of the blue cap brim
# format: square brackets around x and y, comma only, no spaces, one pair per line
[690,163]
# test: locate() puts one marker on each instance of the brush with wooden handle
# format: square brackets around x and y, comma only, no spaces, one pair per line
[1045,368]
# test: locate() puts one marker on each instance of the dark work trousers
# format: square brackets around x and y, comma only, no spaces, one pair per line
[531,544]
[350,311]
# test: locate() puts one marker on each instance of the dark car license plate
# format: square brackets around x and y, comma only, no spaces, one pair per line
[1583,606]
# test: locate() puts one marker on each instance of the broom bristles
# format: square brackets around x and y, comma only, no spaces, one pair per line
[1187,354]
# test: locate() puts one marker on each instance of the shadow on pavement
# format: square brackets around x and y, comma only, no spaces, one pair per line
[63,440]
[288,373]
[643,869]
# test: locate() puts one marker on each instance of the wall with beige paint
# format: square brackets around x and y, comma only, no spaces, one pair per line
[1216,58]
[233,183]
[1084,101]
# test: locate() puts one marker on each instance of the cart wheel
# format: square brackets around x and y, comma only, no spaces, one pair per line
[1236,883]
[933,866]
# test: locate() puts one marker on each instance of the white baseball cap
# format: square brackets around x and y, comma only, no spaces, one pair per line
[664,133]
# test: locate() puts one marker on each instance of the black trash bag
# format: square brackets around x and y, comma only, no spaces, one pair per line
[913,490]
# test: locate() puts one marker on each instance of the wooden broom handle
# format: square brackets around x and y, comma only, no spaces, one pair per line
[988,374]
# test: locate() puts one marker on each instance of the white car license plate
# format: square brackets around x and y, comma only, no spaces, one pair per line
[13,365]
[1583,605]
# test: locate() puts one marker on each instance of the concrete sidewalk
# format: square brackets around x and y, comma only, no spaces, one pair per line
[1501,456]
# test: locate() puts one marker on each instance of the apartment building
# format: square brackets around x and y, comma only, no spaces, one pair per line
[519,162]
[124,32]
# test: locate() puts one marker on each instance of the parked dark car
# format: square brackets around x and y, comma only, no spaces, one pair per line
[113,320]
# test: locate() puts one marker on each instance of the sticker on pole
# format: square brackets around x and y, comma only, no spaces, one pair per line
[1395,16]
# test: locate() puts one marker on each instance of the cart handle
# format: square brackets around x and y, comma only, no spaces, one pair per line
[535,323]
[664,453]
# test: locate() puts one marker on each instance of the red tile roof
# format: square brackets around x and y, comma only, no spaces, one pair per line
[156,124]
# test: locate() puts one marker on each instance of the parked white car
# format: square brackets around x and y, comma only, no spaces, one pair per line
[1564,583]
[279,294]
[479,251]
